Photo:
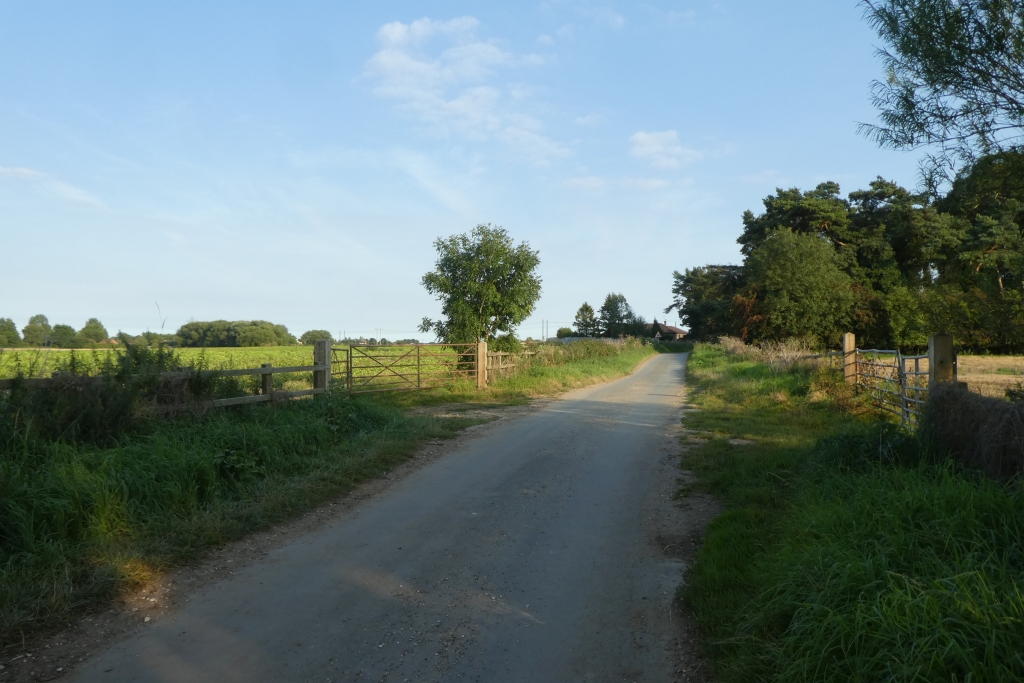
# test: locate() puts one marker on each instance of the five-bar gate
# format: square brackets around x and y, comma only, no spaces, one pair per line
[364,368]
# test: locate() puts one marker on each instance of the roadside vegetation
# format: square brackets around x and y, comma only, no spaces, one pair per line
[850,549]
[97,498]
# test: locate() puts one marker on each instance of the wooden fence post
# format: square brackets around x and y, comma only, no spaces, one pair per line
[481,365]
[322,356]
[267,382]
[850,357]
[941,361]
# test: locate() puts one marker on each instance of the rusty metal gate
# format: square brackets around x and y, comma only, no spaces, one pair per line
[363,368]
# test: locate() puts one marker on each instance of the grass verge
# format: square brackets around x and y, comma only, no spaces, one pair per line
[86,513]
[849,551]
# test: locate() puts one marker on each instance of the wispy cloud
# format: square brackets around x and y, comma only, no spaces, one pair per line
[50,184]
[453,88]
[662,149]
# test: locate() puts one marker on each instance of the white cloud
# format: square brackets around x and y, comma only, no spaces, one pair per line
[453,88]
[50,184]
[662,149]
[591,119]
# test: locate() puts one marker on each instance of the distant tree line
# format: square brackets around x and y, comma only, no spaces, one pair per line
[615,318]
[886,263]
[218,333]
[38,332]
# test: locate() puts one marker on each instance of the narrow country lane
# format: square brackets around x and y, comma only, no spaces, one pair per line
[531,553]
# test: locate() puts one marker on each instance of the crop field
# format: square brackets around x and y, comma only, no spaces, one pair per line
[990,375]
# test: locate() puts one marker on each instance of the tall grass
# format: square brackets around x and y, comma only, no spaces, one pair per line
[850,550]
[79,521]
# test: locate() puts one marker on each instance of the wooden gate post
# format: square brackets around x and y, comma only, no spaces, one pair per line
[322,356]
[850,357]
[267,382]
[941,361]
[481,365]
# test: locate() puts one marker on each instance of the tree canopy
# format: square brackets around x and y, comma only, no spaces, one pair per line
[487,285]
[238,333]
[954,79]
[586,322]
[311,336]
[9,336]
[37,331]
[913,265]
[795,289]
[94,331]
[616,318]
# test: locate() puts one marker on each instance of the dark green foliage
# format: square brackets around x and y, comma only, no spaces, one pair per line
[953,78]
[564,332]
[311,336]
[238,333]
[586,322]
[9,337]
[704,297]
[485,283]
[796,289]
[616,318]
[915,267]
[94,331]
[505,342]
[37,332]
[65,337]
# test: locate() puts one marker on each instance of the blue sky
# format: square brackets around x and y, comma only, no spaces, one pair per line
[295,161]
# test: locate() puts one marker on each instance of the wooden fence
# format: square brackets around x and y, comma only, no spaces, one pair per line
[899,383]
[357,369]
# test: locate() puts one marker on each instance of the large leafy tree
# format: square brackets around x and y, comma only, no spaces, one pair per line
[94,331]
[37,331]
[9,336]
[954,79]
[311,336]
[486,283]
[65,337]
[795,289]
[616,318]
[238,333]
[704,296]
[586,321]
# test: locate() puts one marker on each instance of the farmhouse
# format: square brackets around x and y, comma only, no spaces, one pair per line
[666,332]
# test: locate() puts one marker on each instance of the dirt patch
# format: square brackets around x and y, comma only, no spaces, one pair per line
[50,655]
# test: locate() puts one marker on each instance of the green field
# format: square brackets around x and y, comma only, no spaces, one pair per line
[41,362]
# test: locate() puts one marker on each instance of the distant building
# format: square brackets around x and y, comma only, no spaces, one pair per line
[666,332]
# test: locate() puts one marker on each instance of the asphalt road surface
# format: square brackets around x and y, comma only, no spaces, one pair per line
[525,555]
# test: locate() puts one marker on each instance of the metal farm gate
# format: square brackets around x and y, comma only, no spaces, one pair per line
[364,368]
